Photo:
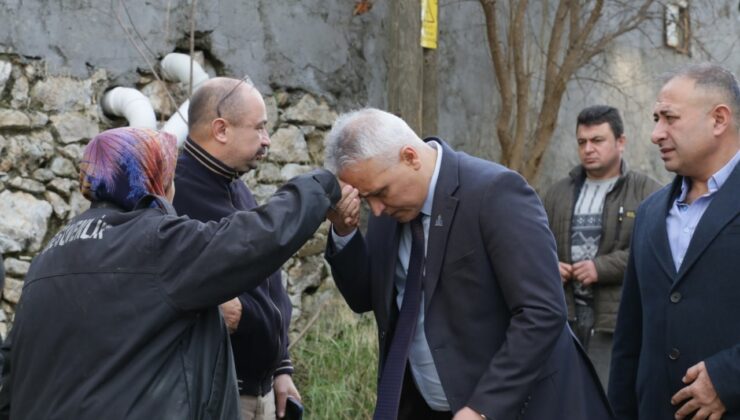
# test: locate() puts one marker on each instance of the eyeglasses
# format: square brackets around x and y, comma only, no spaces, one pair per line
[244,79]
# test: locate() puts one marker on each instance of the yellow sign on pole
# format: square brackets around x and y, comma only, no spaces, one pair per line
[429,13]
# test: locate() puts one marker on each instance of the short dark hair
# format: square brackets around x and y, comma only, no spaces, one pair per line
[713,77]
[599,114]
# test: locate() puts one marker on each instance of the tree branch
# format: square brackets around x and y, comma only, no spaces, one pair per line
[501,71]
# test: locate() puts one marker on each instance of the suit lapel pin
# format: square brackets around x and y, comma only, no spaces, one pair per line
[438,222]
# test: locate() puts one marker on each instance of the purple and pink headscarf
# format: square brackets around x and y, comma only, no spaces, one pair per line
[123,165]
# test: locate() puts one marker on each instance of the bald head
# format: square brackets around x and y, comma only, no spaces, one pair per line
[222,95]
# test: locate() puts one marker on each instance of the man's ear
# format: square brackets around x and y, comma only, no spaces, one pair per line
[621,142]
[722,116]
[410,157]
[218,130]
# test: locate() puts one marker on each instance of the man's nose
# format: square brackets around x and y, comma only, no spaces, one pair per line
[658,133]
[376,206]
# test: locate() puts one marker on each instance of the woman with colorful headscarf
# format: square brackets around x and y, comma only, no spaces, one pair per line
[117,318]
[122,165]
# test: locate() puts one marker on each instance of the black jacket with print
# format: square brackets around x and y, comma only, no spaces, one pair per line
[118,317]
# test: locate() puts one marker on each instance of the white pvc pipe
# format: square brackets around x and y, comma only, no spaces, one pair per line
[132,105]
[177,125]
[176,67]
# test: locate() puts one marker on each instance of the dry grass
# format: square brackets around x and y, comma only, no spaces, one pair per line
[336,364]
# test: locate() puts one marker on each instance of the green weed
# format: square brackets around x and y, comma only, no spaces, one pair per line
[336,364]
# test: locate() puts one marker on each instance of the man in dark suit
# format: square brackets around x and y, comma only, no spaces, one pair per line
[464,243]
[677,340]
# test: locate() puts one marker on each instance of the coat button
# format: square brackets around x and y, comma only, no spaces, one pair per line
[675,297]
[674,354]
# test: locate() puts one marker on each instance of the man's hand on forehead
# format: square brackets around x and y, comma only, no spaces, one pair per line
[345,215]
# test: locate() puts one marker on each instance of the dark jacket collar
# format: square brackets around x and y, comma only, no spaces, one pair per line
[211,163]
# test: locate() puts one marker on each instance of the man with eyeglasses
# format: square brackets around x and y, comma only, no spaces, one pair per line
[228,136]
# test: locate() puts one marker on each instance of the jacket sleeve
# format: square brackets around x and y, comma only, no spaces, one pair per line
[626,349]
[350,268]
[610,267]
[522,251]
[5,375]
[285,365]
[205,264]
[724,369]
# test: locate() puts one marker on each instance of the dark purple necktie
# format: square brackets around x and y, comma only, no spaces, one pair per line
[391,379]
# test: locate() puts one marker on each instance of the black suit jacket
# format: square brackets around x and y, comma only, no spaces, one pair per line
[495,316]
[670,320]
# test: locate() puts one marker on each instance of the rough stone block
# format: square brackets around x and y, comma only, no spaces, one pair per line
[12,290]
[156,91]
[43,175]
[73,151]
[64,186]
[26,153]
[62,94]
[16,267]
[291,170]
[73,127]
[77,203]
[27,184]
[57,203]
[309,111]
[19,93]
[25,219]
[63,167]
[10,118]
[272,112]
[288,145]
[315,142]
[268,172]
[5,68]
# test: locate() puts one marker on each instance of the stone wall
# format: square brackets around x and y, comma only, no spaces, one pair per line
[45,122]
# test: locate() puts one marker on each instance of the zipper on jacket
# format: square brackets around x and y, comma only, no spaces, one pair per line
[620,218]
[605,220]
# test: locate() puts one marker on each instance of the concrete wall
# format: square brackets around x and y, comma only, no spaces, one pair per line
[316,45]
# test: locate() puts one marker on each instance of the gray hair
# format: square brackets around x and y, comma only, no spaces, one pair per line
[364,134]
[714,78]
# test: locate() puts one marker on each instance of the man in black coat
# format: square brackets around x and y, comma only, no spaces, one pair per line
[677,341]
[227,137]
[490,337]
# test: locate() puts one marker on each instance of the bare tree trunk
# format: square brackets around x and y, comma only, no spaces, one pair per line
[573,42]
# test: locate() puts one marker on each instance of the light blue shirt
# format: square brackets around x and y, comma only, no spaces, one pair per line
[420,356]
[684,217]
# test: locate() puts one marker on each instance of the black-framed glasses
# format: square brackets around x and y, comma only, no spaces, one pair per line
[244,79]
